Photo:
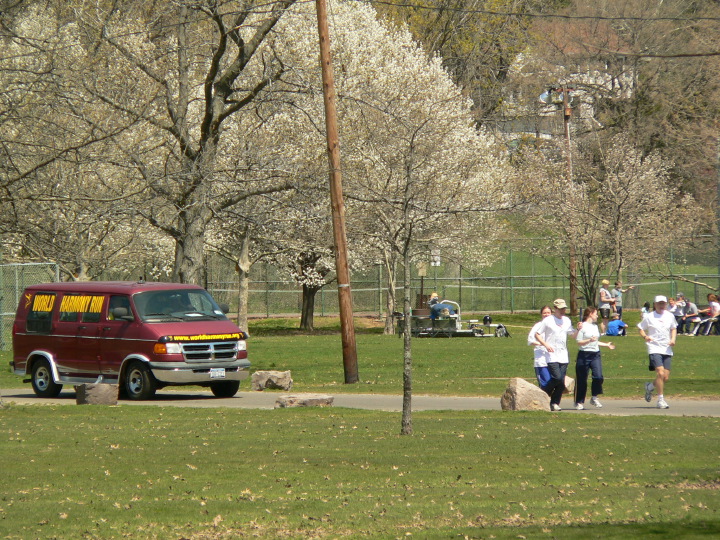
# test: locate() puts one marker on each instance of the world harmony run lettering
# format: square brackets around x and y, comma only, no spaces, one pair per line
[41,302]
[82,304]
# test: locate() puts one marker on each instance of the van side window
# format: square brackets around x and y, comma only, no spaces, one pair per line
[93,309]
[40,314]
[117,301]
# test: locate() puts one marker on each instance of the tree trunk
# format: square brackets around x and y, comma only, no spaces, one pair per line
[406,423]
[243,269]
[189,252]
[391,299]
[308,308]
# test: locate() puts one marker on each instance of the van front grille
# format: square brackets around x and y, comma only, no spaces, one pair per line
[209,352]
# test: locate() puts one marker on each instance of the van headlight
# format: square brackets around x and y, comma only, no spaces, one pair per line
[241,346]
[167,348]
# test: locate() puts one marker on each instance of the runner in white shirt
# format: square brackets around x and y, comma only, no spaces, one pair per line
[552,334]
[659,330]
[589,360]
[540,353]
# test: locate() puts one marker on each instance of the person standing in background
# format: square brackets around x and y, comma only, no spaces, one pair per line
[616,294]
[680,311]
[605,305]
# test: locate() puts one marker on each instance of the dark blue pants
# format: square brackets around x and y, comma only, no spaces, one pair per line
[587,362]
[689,326]
[543,376]
[556,386]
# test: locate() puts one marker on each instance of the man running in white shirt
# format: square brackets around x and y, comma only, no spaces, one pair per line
[659,330]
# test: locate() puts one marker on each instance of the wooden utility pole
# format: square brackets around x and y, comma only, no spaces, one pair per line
[567,113]
[347,328]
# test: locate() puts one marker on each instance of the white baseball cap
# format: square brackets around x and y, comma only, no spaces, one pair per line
[661,298]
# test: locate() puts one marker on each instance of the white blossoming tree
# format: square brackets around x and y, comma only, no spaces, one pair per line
[61,201]
[161,83]
[619,211]
[385,83]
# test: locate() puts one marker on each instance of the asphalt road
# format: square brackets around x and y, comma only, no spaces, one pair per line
[381,402]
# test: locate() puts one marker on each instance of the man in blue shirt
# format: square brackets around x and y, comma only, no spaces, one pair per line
[616,327]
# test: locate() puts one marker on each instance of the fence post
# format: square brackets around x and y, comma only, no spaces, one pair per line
[379,297]
[672,271]
[460,287]
[2,302]
[512,284]
[533,300]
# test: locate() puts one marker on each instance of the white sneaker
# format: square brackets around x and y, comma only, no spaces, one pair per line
[555,407]
[595,402]
[662,404]
[648,391]
[579,407]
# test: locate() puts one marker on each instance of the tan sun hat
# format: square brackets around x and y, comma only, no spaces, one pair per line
[560,303]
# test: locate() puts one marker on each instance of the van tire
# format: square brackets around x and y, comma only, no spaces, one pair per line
[42,380]
[138,382]
[225,389]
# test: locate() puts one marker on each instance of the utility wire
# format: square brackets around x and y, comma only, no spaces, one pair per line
[538,15]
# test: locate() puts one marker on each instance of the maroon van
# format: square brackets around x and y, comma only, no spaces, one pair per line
[142,336]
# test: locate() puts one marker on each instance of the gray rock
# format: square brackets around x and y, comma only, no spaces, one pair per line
[96,394]
[521,395]
[275,380]
[304,400]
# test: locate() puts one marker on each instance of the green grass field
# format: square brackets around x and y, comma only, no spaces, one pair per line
[455,366]
[146,472]
[150,472]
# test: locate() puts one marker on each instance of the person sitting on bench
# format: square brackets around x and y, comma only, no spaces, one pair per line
[441,310]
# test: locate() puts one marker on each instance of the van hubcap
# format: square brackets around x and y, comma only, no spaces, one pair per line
[135,381]
[42,379]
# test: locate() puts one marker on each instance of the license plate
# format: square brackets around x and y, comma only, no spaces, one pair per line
[217,373]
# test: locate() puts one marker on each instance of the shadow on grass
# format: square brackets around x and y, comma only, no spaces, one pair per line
[675,529]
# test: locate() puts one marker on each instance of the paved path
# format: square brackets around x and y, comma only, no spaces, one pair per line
[381,402]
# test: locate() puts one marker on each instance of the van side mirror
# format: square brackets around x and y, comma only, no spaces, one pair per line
[121,313]
[224,308]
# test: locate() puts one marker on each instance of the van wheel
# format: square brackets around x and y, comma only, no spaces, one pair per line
[225,388]
[42,380]
[139,382]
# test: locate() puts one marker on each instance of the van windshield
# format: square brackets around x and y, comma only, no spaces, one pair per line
[177,305]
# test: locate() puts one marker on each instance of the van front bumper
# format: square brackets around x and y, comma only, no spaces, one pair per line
[181,373]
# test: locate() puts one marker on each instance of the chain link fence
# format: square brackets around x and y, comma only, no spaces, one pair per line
[518,281]
[474,294]
[13,280]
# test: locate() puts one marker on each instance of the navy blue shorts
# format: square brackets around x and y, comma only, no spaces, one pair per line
[660,360]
